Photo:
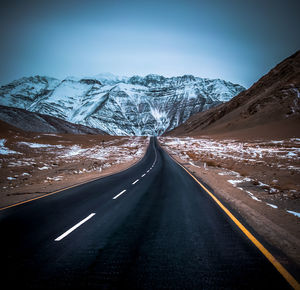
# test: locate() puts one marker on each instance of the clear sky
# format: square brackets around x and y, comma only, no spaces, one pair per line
[235,40]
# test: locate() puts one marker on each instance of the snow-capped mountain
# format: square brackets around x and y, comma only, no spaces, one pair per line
[109,78]
[147,105]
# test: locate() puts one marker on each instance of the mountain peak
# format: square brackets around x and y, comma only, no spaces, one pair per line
[138,105]
[109,78]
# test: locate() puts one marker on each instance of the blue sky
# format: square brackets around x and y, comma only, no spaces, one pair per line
[233,40]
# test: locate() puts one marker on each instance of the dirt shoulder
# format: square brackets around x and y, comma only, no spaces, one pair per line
[51,183]
[33,165]
[277,227]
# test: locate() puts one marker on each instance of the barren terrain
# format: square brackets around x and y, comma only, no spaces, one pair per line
[270,108]
[34,164]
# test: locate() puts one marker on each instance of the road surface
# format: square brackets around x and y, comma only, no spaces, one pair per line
[149,227]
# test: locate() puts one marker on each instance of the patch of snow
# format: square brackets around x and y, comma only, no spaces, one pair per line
[272,205]
[25,174]
[236,181]
[99,155]
[261,184]
[291,154]
[194,164]
[295,139]
[231,172]
[57,178]
[297,214]
[74,150]
[20,163]
[252,195]
[273,190]
[255,198]
[4,150]
[223,173]
[297,91]
[51,134]
[294,167]
[43,168]
[38,145]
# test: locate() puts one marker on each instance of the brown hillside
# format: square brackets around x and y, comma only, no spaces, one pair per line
[270,108]
[35,122]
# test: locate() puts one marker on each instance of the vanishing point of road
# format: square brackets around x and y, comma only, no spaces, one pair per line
[151,226]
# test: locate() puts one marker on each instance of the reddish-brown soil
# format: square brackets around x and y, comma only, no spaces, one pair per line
[33,164]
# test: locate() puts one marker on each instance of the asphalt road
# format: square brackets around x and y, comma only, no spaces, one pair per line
[149,227]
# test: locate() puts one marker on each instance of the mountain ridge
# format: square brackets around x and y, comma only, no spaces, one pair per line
[270,107]
[137,105]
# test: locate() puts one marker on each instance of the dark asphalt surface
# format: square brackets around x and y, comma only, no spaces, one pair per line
[163,232]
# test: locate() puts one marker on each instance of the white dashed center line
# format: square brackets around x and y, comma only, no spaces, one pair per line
[133,183]
[119,194]
[74,228]
[143,175]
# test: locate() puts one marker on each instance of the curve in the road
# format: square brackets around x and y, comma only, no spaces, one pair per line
[149,227]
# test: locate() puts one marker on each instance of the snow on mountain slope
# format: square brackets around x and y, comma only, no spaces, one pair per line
[109,78]
[22,93]
[147,105]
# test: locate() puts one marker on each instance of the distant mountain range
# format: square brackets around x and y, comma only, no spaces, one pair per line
[270,108]
[149,105]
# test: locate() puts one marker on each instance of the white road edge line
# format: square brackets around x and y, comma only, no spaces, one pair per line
[73,228]
[119,194]
[133,183]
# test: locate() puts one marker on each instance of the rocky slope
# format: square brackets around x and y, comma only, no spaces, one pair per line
[138,105]
[270,108]
[34,122]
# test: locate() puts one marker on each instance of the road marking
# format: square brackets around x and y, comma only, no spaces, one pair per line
[143,175]
[288,277]
[74,228]
[133,183]
[119,194]
[54,192]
